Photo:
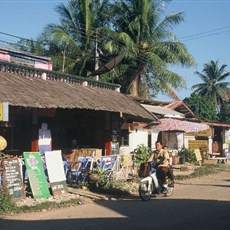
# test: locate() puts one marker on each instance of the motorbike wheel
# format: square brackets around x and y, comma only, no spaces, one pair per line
[144,192]
[169,191]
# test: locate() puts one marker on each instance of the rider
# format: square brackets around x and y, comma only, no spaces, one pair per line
[170,170]
[161,157]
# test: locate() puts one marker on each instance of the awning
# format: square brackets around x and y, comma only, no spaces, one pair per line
[170,124]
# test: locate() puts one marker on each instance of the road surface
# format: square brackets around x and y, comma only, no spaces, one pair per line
[202,203]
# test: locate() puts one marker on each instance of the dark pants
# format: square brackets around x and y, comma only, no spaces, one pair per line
[170,173]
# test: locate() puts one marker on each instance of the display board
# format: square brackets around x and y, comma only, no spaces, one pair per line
[198,144]
[56,173]
[36,174]
[12,178]
[198,154]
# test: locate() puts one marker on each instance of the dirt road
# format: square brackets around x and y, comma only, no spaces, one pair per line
[202,203]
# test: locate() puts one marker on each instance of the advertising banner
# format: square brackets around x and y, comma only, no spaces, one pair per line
[56,173]
[36,174]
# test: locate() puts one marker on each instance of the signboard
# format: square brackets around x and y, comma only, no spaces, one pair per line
[36,174]
[227,139]
[56,173]
[197,154]
[204,133]
[12,178]
[4,111]
[198,144]
[44,141]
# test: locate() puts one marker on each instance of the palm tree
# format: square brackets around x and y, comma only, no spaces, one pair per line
[73,39]
[150,47]
[213,85]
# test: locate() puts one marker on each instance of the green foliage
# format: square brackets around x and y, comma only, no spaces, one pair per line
[147,35]
[188,154]
[224,114]
[213,84]
[203,106]
[142,154]
[6,203]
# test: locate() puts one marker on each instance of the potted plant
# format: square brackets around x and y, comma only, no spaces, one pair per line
[187,155]
[95,174]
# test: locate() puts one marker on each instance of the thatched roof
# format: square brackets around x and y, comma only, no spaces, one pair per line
[29,90]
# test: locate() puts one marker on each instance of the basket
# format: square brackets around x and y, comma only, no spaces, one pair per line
[145,169]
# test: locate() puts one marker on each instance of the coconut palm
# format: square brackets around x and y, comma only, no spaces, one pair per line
[73,39]
[150,46]
[213,84]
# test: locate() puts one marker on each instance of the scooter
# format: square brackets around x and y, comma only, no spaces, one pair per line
[150,185]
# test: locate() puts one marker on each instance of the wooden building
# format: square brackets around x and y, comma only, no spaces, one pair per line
[76,110]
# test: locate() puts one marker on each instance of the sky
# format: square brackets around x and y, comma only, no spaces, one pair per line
[205,31]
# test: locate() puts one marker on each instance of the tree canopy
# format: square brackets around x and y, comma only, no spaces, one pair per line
[91,32]
[213,84]
[203,106]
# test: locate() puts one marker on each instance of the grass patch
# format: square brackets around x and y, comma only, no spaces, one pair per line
[8,206]
[118,188]
[6,203]
[204,171]
[48,205]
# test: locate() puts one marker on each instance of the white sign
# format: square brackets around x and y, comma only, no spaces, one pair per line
[55,166]
[44,137]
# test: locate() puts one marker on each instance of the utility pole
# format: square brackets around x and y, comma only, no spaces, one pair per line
[96,55]
[63,61]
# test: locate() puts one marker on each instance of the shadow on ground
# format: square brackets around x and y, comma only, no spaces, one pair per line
[161,213]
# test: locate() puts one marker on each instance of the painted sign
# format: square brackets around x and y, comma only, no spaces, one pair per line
[197,154]
[204,133]
[198,144]
[56,173]
[36,174]
[12,178]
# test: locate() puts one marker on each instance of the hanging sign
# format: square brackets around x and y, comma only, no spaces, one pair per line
[56,173]
[36,174]
[12,178]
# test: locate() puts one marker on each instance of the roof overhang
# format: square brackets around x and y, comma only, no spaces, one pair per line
[29,90]
[165,112]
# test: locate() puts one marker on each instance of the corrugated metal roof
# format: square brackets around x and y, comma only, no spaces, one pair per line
[162,111]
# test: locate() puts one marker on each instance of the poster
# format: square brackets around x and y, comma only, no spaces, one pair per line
[56,173]
[36,174]
[12,178]
[44,141]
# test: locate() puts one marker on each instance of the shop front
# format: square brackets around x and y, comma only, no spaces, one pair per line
[62,111]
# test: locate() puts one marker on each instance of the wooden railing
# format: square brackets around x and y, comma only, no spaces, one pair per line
[27,71]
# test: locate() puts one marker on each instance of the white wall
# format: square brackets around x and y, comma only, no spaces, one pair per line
[138,136]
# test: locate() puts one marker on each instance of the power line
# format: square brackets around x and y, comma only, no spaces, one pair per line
[206,34]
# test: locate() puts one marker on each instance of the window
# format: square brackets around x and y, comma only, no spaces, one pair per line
[124,137]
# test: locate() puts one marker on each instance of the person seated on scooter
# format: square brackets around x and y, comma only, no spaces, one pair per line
[170,170]
[161,157]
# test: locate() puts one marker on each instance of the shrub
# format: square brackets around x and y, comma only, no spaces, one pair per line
[142,154]
[188,154]
[6,203]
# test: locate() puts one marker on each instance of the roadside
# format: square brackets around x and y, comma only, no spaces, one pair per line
[122,189]
[197,203]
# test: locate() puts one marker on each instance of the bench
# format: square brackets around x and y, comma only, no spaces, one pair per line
[221,160]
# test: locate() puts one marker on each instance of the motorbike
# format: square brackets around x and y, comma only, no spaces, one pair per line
[151,185]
